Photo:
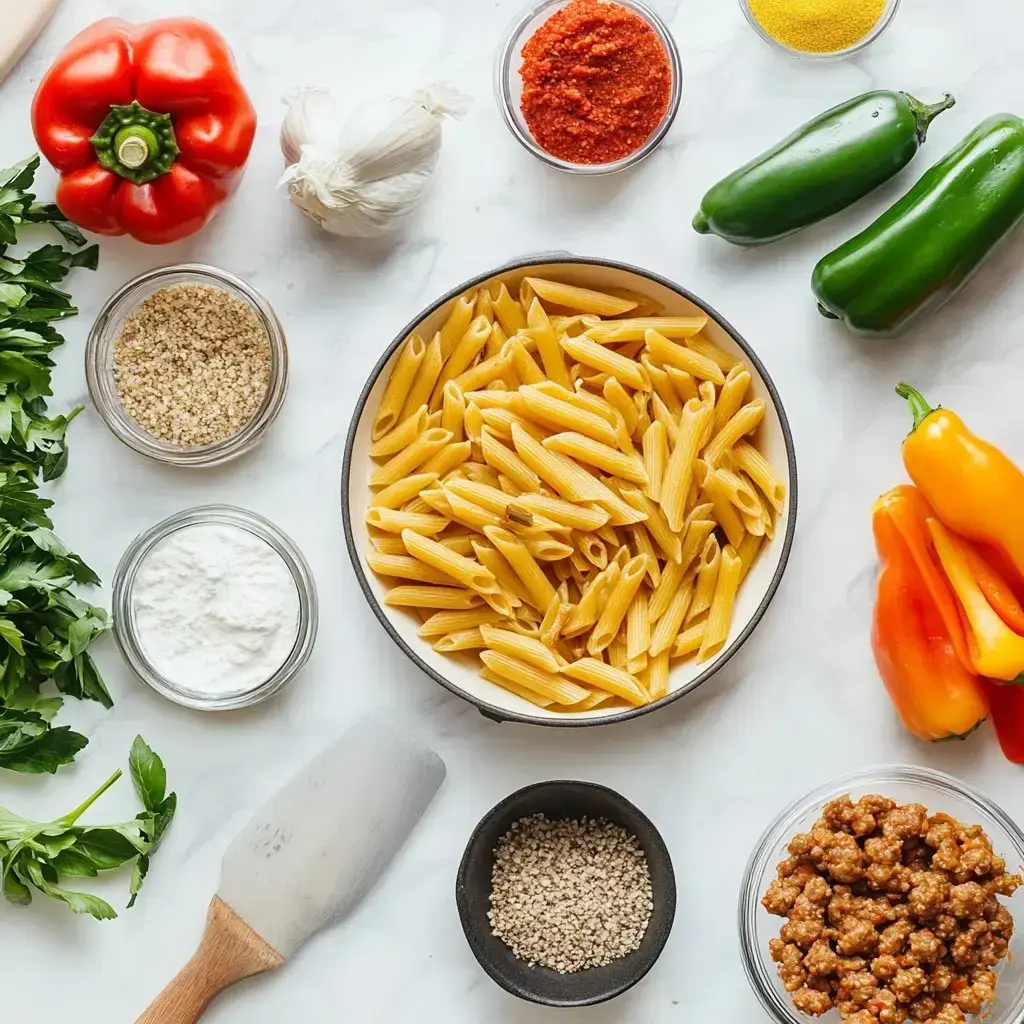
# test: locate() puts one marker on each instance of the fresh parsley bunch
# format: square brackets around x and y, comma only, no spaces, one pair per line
[45,629]
[40,854]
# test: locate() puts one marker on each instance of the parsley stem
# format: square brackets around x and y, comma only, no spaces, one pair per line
[69,819]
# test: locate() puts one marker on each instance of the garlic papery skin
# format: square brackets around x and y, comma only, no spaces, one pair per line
[363,176]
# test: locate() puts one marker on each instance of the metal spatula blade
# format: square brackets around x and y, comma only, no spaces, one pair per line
[312,852]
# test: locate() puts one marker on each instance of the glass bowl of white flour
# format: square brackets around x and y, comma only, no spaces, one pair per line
[215,608]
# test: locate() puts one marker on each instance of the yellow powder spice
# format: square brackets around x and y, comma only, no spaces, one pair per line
[818,26]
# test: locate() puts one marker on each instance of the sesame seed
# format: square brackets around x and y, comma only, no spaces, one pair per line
[192,364]
[570,895]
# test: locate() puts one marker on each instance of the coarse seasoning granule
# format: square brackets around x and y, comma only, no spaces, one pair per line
[570,895]
[818,26]
[596,82]
[192,364]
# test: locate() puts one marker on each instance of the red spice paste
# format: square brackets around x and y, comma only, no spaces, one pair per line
[596,82]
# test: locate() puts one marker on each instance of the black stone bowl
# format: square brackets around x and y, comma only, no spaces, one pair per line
[473,889]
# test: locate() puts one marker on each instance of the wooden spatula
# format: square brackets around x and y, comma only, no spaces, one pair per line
[20,22]
[305,860]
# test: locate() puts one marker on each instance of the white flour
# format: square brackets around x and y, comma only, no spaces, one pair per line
[216,609]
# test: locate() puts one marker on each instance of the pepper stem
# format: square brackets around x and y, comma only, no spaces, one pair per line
[136,143]
[919,407]
[925,113]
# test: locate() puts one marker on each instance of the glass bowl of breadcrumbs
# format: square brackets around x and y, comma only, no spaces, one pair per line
[187,365]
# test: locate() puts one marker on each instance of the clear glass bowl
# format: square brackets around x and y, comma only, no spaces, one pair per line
[126,632]
[884,21]
[99,366]
[938,792]
[508,85]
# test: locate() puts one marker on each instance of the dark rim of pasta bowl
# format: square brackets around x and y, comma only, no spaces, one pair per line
[499,714]
[562,799]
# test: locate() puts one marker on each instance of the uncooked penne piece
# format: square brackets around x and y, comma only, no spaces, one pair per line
[503,572]
[444,622]
[450,457]
[484,303]
[410,458]
[596,699]
[657,675]
[508,463]
[524,364]
[617,605]
[398,387]
[525,566]
[398,521]
[453,410]
[455,326]
[387,544]
[545,547]
[740,493]
[450,598]
[730,399]
[655,449]
[507,311]
[749,549]
[402,491]
[523,692]
[666,629]
[759,469]
[634,329]
[466,571]
[706,347]
[466,349]
[562,512]
[562,475]
[540,330]
[715,490]
[617,397]
[485,373]
[480,473]
[707,576]
[408,568]
[495,341]
[588,609]
[460,543]
[592,548]
[465,640]
[722,604]
[581,300]
[656,523]
[682,383]
[546,684]
[496,501]
[643,545]
[638,627]
[697,533]
[594,453]
[616,652]
[402,436]
[589,352]
[662,386]
[667,353]
[501,420]
[672,575]
[679,472]
[580,398]
[607,677]
[669,422]
[742,423]
[689,640]
[558,414]
[525,648]
[554,621]
[426,377]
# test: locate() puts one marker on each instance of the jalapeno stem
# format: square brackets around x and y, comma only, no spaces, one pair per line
[925,113]
[919,407]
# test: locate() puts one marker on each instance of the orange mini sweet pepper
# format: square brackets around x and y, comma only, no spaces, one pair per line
[974,488]
[918,638]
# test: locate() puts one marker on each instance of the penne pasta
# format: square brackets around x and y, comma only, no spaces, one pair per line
[450,457]
[540,330]
[667,353]
[592,548]
[590,353]
[507,311]
[662,384]
[408,568]
[619,600]
[445,622]
[462,356]
[586,449]
[534,580]
[457,324]
[524,364]
[667,627]
[426,377]
[485,373]
[398,521]
[730,399]
[523,692]
[707,348]
[722,604]
[679,472]
[642,545]
[465,640]
[582,300]
[689,640]
[562,512]
[655,449]
[501,420]
[398,387]
[402,491]
[410,458]
[402,436]
[742,423]
[453,410]
[707,575]
[672,575]
[747,458]
[657,526]
[607,677]
[682,383]
[588,610]
[525,648]
[636,328]
[657,675]
[545,684]
[638,627]
[508,463]
[466,571]
[450,598]
[562,475]
[749,549]
[565,414]
[715,490]
[617,397]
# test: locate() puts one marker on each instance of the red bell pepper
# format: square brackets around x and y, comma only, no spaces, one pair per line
[148,124]
[1007,704]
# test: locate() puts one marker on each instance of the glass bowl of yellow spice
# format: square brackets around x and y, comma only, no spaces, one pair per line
[820,29]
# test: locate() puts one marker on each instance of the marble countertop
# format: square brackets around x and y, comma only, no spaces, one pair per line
[799,705]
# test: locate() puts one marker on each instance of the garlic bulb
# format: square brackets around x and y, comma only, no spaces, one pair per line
[360,178]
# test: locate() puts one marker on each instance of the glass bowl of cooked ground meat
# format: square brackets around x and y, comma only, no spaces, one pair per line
[187,365]
[886,897]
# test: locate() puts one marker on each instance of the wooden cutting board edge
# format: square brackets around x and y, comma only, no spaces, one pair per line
[22,21]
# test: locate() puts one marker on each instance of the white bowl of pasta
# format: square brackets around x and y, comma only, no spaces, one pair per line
[569,491]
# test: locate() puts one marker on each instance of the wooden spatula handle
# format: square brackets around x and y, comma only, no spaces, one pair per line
[230,951]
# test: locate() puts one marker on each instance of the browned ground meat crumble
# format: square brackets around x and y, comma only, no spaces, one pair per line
[891,915]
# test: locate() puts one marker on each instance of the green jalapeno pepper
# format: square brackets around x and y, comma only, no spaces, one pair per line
[822,168]
[915,257]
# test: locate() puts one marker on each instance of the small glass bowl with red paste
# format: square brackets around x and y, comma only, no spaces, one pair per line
[589,86]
